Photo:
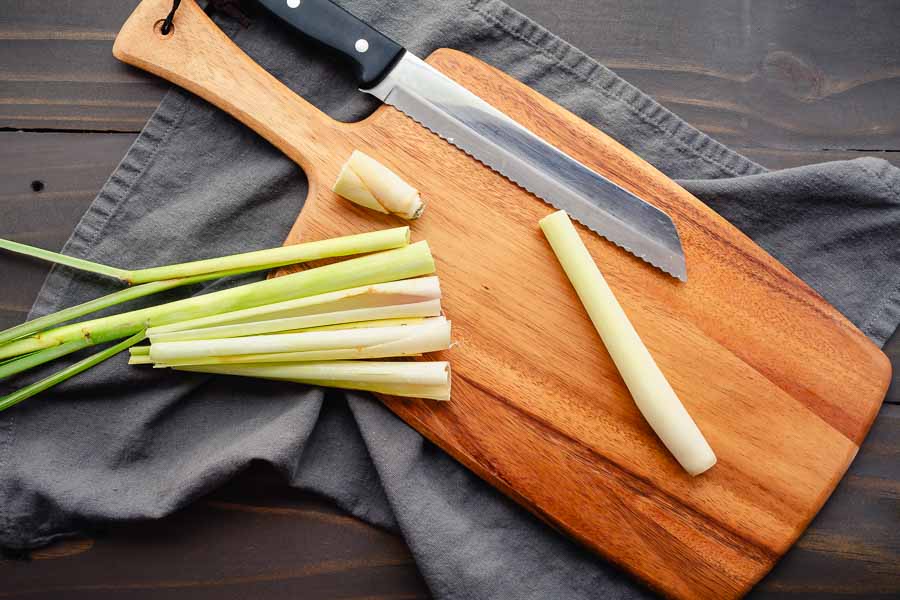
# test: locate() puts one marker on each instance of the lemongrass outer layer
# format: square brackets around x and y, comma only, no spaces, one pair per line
[365,181]
[651,391]
[434,334]
[409,261]
[412,379]
[387,293]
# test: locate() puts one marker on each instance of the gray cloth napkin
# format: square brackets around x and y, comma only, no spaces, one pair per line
[121,443]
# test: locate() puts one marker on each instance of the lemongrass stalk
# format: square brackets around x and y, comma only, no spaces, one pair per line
[249,261]
[60,376]
[390,293]
[427,337]
[40,357]
[411,379]
[650,389]
[271,258]
[430,308]
[73,312]
[409,261]
[433,333]
[139,351]
[61,259]
[140,359]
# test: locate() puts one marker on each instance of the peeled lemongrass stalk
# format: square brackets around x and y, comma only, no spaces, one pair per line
[651,391]
[389,293]
[412,379]
[365,181]
[139,351]
[433,334]
[402,263]
[249,261]
[140,359]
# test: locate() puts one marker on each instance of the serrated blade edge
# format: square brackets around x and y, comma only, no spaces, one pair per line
[494,139]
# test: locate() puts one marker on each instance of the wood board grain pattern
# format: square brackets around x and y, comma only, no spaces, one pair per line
[761,360]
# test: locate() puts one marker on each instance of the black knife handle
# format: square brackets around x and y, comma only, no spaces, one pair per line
[372,53]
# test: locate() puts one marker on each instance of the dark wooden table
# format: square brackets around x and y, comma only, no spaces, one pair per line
[785,83]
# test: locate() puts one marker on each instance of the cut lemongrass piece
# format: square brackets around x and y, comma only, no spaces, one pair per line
[652,393]
[391,265]
[433,333]
[407,291]
[412,379]
[140,359]
[429,308]
[139,351]
[83,365]
[365,181]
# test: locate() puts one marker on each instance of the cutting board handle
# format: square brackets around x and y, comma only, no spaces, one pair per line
[199,57]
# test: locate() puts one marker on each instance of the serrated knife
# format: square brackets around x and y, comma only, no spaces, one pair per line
[397,77]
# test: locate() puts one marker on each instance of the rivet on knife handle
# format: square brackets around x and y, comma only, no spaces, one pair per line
[372,53]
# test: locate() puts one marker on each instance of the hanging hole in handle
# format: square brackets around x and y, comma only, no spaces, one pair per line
[158,29]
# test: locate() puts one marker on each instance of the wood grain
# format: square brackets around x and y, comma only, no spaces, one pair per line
[852,548]
[710,62]
[755,353]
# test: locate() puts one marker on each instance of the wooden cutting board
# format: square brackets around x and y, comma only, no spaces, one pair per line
[783,386]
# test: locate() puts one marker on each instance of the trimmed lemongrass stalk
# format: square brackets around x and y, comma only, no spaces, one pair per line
[377,342]
[412,379]
[140,359]
[365,181]
[390,293]
[430,308]
[651,391]
[29,361]
[139,351]
[409,261]
[249,261]
[61,259]
[60,376]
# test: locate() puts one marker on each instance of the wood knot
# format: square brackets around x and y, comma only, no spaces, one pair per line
[793,76]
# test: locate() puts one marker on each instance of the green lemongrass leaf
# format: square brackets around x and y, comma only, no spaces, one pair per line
[271,258]
[391,265]
[64,374]
[61,259]
[29,361]
[407,291]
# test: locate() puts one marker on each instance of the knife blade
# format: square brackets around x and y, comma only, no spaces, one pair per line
[398,78]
